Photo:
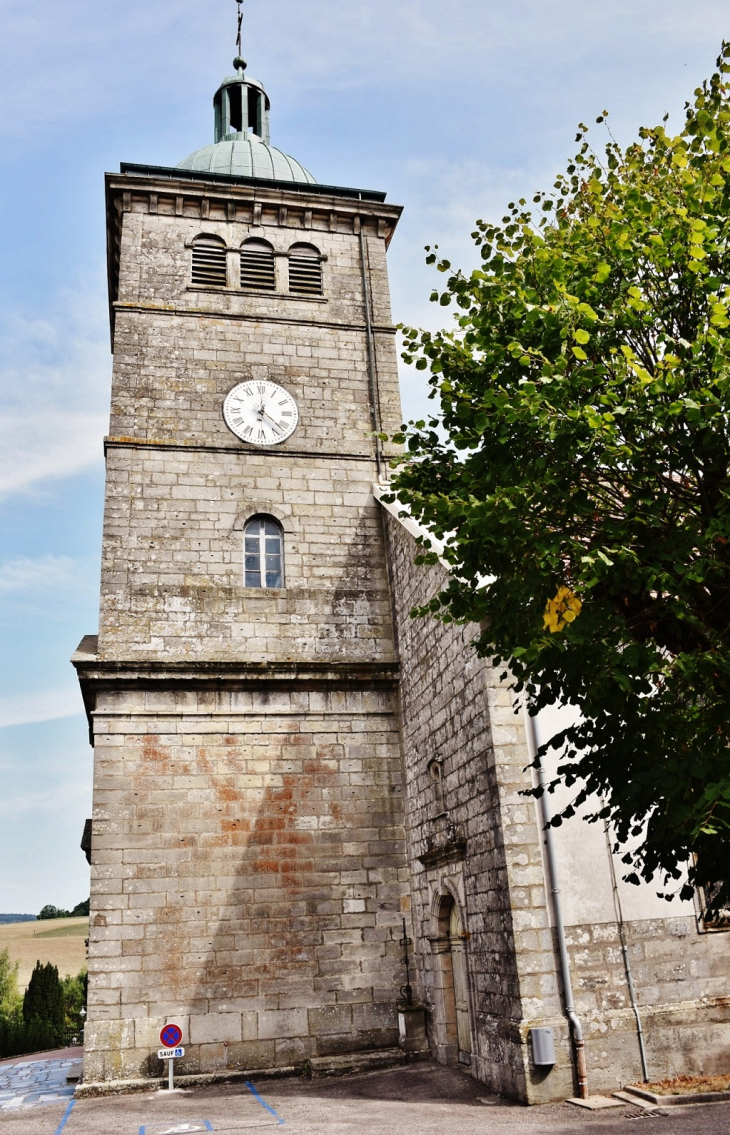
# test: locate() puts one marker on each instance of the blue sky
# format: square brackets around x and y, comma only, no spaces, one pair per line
[453,108]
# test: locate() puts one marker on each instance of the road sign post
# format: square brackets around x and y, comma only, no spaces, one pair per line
[170,1037]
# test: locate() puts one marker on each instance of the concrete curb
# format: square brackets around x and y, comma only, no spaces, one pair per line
[675,1101]
[200,1079]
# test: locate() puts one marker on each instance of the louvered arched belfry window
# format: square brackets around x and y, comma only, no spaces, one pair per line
[209,260]
[263,551]
[305,270]
[257,266]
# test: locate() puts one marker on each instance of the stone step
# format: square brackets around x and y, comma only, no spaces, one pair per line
[635,1101]
[318,1066]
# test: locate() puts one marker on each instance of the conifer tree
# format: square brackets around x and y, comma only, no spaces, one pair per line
[43,1009]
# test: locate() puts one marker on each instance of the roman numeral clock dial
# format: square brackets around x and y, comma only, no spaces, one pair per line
[262,413]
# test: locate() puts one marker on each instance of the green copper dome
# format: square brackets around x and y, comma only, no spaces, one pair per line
[245,155]
[241,146]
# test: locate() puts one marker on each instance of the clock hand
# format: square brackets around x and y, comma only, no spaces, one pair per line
[276,425]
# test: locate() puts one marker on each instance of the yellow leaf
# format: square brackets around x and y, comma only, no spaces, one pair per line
[563,609]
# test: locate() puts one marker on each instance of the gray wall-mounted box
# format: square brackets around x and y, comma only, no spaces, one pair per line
[543,1047]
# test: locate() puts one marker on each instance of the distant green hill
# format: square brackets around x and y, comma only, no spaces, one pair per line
[17,917]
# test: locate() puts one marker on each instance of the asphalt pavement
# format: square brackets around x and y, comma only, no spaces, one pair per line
[422,1099]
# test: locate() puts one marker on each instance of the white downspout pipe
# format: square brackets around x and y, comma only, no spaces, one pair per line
[576,1028]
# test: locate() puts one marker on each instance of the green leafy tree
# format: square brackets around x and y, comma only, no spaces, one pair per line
[10,1000]
[50,911]
[74,991]
[12,1029]
[580,457]
[43,1007]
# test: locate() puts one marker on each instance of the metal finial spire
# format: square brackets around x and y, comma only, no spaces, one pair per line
[239,62]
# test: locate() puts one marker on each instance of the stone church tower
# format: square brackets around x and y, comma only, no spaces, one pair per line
[248,859]
[283,758]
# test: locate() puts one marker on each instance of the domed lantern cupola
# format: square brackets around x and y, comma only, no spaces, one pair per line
[242,146]
[241,104]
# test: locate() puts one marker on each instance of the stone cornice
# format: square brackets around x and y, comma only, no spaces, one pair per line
[350,205]
[169,309]
[180,175]
[453,851]
[231,673]
[203,447]
[103,674]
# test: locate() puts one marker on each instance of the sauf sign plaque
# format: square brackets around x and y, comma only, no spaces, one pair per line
[170,1037]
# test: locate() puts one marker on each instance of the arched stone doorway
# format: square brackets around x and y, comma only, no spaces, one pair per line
[452,1023]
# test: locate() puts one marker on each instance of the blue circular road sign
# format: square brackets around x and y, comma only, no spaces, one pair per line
[170,1036]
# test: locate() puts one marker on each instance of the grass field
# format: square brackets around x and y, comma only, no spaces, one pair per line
[60,940]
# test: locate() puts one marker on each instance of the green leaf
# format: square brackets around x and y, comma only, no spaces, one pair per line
[553,474]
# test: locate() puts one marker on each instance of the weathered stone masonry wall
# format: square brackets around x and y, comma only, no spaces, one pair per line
[178,349]
[681,979]
[454,709]
[248,869]
[172,569]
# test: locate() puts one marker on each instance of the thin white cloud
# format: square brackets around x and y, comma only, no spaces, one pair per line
[40,705]
[24,574]
[98,57]
[36,801]
[54,380]
[38,447]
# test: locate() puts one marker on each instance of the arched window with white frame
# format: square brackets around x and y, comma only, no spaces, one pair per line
[263,552]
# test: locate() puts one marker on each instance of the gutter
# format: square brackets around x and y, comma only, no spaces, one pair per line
[372,368]
[576,1029]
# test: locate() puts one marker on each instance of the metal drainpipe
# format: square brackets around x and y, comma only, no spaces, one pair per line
[374,400]
[625,952]
[579,1047]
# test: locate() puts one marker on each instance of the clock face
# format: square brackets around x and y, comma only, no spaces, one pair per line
[261,413]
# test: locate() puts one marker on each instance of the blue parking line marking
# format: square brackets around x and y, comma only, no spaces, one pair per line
[263,1102]
[66,1114]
